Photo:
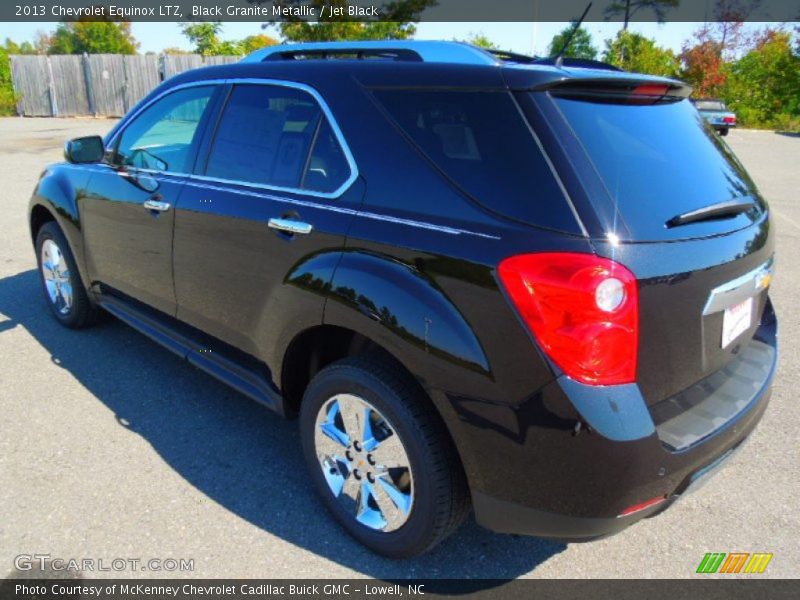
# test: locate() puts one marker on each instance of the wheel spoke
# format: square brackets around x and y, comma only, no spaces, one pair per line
[351,416]
[368,440]
[401,500]
[390,511]
[331,430]
[66,293]
[390,454]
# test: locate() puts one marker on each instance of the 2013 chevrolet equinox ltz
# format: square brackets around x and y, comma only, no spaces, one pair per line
[533,288]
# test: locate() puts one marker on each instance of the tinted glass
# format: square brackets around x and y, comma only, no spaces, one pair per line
[161,137]
[327,168]
[658,161]
[264,135]
[481,142]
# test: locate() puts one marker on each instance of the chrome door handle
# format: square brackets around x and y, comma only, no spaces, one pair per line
[290,226]
[156,205]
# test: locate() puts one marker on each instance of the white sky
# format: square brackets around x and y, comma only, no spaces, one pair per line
[526,38]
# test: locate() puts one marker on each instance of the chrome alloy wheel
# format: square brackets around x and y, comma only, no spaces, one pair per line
[364,462]
[57,280]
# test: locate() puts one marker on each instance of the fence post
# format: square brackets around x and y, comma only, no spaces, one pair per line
[125,100]
[87,79]
[51,89]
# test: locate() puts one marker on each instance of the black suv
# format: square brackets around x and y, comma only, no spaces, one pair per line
[536,289]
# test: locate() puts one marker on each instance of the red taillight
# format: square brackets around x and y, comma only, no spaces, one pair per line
[730,119]
[582,309]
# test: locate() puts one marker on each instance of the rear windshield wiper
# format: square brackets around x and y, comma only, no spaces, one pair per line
[728,208]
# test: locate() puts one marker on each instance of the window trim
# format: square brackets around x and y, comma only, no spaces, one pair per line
[337,132]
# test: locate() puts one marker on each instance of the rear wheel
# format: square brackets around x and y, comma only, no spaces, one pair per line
[723,132]
[61,283]
[380,457]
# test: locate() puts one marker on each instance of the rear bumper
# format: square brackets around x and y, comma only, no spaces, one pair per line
[577,490]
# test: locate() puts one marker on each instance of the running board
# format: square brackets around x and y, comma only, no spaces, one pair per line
[242,379]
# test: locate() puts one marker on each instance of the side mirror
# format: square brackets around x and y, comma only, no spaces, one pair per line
[88,149]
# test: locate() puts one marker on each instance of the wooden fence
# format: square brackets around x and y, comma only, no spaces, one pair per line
[94,84]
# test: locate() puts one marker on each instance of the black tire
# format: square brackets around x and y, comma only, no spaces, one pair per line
[723,132]
[441,497]
[81,313]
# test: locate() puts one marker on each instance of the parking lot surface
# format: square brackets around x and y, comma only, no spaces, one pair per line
[111,447]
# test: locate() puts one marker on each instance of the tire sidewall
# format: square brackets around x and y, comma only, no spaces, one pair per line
[414,533]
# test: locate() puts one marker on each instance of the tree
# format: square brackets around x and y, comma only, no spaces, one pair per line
[763,85]
[254,42]
[8,102]
[481,41]
[628,8]
[634,52]
[11,47]
[399,18]
[579,47]
[93,37]
[204,36]
[703,68]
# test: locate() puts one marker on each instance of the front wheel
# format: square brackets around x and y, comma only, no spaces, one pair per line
[381,458]
[61,283]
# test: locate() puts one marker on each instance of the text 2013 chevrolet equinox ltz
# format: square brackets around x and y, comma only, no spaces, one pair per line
[481,280]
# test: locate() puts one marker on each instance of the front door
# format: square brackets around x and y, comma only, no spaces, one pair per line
[128,208]
[274,196]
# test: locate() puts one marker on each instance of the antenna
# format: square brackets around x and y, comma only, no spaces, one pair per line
[560,56]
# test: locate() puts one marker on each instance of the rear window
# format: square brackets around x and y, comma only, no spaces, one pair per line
[480,141]
[658,161]
[709,105]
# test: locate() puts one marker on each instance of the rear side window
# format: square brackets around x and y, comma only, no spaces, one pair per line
[276,136]
[481,142]
[659,161]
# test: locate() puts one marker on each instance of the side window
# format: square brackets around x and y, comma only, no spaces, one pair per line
[265,136]
[327,167]
[161,137]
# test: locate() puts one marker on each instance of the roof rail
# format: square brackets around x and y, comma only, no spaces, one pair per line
[401,50]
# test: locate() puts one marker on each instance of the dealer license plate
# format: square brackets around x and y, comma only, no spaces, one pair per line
[736,320]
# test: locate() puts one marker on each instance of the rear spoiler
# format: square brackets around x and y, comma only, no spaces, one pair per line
[625,90]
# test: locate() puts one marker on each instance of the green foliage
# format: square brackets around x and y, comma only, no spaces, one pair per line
[763,87]
[93,37]
[481,41]
[580,46]
[634,52]
[253,42]
[399,15]
[206,40]
[11,47]
[8,105]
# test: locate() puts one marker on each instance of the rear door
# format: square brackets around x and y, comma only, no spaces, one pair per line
[261,216]
[665,196]
[127,210]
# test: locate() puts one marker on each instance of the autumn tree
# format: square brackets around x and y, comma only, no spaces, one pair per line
[92,37]
[580,46]
[635,52]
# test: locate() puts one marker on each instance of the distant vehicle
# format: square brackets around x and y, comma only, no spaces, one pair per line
[716,113]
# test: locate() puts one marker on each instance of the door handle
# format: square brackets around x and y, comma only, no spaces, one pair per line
[156,205]
[290,226]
